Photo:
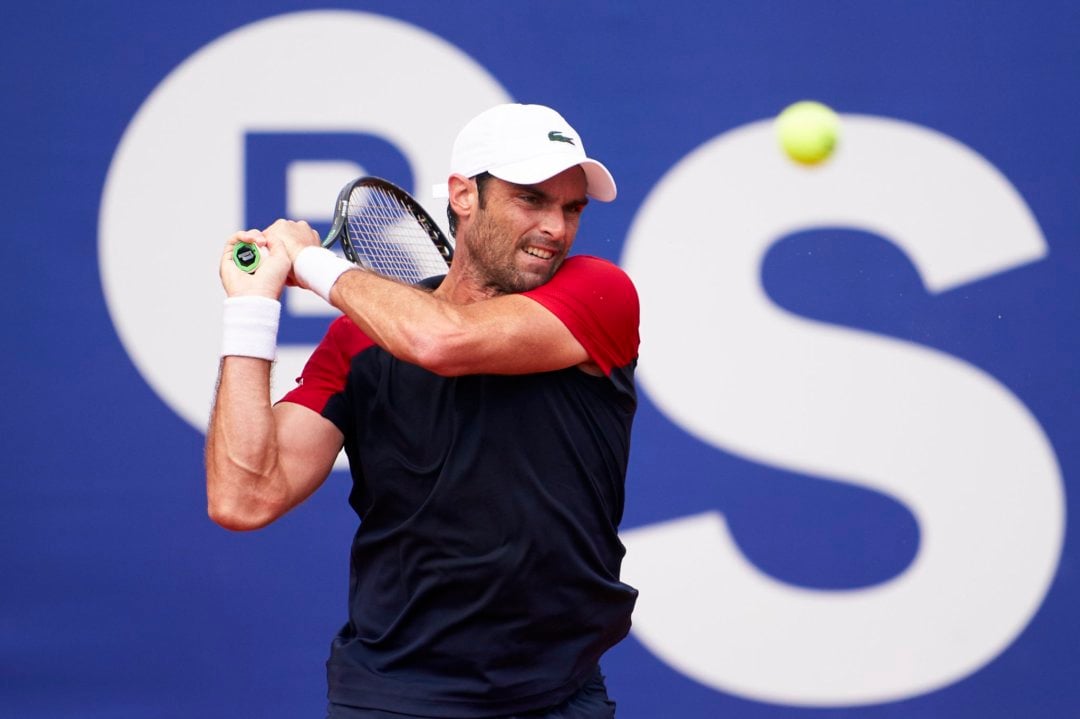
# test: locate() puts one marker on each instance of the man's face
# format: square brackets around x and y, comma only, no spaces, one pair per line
[521,233]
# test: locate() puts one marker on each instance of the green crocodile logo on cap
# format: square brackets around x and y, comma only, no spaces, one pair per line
[556,136]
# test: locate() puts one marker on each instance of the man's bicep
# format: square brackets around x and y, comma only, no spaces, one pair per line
[511,334]
[308,444]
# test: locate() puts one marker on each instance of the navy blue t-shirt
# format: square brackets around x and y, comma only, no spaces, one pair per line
[485,571]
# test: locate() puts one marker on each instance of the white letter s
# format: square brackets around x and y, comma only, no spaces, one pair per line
[934,432]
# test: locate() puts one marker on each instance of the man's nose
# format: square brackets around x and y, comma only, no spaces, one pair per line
[553,223]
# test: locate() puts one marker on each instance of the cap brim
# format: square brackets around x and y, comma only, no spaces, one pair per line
[599,184]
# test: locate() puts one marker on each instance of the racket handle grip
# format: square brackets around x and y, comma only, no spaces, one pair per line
[246,256]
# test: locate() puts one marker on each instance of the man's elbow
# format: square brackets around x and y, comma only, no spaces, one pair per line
[240,517]
[438,353]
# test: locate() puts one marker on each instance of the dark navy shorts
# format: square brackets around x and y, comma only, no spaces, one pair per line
[589,702]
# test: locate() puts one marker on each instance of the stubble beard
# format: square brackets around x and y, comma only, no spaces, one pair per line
[494,256]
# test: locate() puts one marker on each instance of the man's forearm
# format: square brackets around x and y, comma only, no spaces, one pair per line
[405,321]
[244,488]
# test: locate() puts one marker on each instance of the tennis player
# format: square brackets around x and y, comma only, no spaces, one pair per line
[487,425]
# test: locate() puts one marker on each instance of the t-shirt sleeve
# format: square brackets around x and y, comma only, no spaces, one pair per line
[597,302]
[327,370]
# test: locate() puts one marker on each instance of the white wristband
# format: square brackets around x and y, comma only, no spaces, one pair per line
[251,325]
[317,268]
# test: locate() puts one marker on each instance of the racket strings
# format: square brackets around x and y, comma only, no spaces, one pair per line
[389,239]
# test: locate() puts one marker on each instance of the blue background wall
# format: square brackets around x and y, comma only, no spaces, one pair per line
[121,599]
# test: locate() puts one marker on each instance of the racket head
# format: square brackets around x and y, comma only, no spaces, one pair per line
[384,229]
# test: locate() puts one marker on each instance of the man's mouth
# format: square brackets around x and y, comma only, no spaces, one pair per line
[540,253]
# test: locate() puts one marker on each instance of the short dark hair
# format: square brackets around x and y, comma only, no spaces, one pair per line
[452,217]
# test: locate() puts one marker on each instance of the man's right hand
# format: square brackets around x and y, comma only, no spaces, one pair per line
[268,280]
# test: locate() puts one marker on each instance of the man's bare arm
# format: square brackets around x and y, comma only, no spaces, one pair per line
[262,461]
[511,334]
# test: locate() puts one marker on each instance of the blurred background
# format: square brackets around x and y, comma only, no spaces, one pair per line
[850,482]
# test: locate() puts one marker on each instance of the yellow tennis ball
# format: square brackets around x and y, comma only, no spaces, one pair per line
[808,131]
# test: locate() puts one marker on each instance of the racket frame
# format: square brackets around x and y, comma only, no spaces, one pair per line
[339,229]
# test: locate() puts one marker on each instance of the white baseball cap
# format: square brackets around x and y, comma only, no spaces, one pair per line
[525,145]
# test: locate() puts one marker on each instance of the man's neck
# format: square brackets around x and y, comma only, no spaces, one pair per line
[463,287]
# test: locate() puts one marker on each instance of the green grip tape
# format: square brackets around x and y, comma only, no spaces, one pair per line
[246,256]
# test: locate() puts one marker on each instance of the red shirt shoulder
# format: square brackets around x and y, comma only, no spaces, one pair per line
[598,303]
[327,369]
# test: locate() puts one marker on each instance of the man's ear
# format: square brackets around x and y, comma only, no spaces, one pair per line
[463,195]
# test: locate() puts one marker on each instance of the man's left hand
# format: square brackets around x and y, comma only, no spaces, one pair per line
[294,236]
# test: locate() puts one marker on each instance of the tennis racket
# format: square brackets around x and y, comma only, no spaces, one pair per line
[381,228]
